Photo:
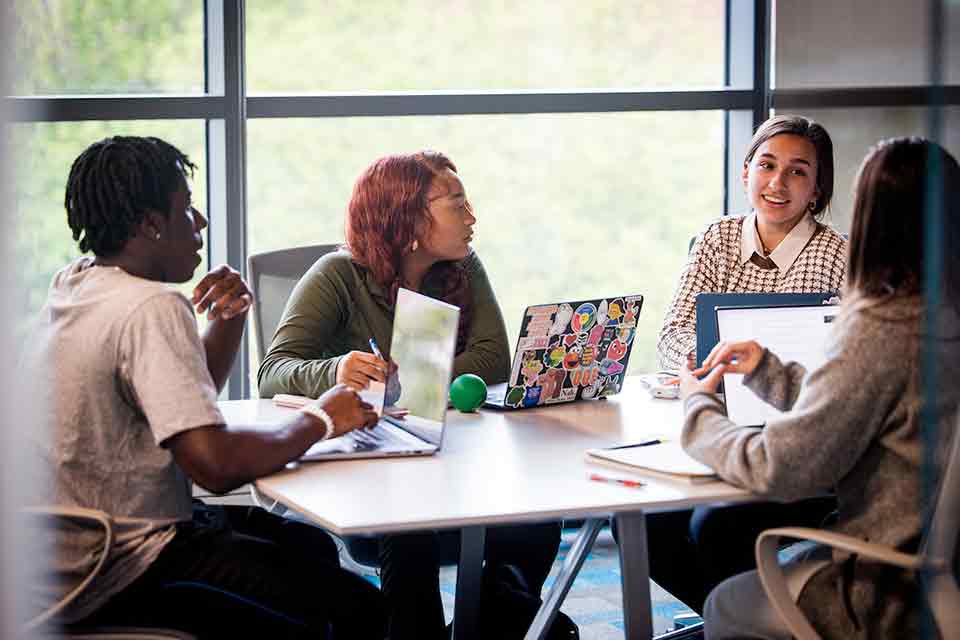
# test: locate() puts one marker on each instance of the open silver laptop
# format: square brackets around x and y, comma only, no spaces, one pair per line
[415,402]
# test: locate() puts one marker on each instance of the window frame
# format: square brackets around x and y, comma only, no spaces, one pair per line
[746,98]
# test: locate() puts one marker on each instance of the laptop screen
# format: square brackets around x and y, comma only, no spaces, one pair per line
[421,350]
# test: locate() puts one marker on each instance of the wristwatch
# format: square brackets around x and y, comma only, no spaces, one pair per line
[315,410]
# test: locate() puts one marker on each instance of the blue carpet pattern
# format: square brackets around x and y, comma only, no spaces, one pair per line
[594,602]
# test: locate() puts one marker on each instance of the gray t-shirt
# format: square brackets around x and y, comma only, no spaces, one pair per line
[121,369]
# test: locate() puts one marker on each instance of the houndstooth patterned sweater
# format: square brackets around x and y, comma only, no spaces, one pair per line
[715,265]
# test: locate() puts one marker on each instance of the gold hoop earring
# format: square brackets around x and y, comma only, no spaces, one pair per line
[812,205]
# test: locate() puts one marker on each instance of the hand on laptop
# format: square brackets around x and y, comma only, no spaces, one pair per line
[358,368]
[346,409]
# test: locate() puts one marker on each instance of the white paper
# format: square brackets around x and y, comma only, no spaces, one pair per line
[666,457]
[374,394]
[797,334]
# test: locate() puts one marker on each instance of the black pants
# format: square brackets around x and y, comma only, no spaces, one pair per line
[240,572]
[410,565]
[692,551]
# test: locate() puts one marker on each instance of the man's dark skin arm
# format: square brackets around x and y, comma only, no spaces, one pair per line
[224,296]
[221,458]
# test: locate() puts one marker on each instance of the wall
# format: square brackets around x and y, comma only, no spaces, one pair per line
[862,43]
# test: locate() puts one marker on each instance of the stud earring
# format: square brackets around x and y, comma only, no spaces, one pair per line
[414,246]
[157,236]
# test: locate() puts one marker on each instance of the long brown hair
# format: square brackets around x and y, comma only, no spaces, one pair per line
[387,212]
[898,183]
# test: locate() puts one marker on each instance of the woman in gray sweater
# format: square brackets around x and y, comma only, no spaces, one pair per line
[853,425]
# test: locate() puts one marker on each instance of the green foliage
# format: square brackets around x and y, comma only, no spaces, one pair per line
[482,44]
[108,46]
[569,206]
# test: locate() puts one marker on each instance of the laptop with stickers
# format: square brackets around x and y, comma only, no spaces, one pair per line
[569,351]
[414,400]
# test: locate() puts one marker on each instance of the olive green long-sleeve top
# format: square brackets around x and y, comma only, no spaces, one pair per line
[337,307]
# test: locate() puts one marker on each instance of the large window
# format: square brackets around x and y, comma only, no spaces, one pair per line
[40,169]
[568,206]
[136,46]
[594,138]
[379,45]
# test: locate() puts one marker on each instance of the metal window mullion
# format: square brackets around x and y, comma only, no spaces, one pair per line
[226,154]
[120,107]
[491,103]
[840,98]
[745,58]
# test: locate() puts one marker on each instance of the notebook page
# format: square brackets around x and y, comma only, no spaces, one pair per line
[666,457]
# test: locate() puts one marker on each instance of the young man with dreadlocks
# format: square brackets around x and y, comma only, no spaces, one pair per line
[131,388]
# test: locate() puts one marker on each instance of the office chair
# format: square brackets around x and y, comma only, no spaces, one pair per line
[39,625]
[935,561]
[273,276]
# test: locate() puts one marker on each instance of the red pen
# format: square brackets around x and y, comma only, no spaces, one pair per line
[621,481]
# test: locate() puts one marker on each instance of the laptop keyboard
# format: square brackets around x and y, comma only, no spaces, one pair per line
[373,438]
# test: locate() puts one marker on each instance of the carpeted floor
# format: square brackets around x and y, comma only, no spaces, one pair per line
[594,601]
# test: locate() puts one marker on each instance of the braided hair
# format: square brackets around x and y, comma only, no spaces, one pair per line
[112,185]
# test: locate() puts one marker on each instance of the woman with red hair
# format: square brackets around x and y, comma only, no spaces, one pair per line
[409,223]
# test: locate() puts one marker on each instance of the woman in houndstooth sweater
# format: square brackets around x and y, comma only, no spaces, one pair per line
[779,247]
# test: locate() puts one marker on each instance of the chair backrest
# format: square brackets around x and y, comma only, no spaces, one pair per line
[54,518]
[940,544]
[273,275]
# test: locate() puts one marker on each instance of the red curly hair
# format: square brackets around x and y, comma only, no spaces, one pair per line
[387,212]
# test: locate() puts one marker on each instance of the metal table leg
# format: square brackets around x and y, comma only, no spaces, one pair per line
[635,575]
[466,608]
[568,572]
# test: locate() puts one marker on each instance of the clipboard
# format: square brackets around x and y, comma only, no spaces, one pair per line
[797,333]
[707,304]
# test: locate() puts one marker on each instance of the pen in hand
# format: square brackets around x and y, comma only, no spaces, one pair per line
[376,349]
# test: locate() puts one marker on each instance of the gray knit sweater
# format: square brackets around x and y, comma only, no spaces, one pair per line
[852,426]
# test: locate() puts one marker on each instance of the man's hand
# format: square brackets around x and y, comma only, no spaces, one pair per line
[346,409]
[223,294]
[359,368]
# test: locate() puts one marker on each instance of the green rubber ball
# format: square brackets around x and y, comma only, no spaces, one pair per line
[468,392]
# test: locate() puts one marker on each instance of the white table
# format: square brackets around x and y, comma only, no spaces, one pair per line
[502,468]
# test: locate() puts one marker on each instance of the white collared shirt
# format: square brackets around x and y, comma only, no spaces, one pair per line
[789,248]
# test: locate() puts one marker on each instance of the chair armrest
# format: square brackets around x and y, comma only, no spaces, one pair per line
[91,516]
[774,579]
[843,542]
